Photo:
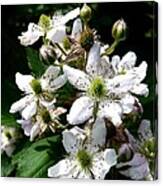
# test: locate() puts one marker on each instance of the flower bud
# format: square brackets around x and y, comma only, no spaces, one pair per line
[86,13]
[47,52]
[119,30]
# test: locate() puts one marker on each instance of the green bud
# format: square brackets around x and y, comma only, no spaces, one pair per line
[86,13]
[119,30]
[44,22]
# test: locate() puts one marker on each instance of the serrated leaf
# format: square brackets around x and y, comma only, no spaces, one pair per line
[6,166]
[33,163]
[35,64]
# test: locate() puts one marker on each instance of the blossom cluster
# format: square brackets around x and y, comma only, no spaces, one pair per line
[107,90]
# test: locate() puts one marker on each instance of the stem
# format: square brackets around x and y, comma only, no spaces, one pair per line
[111,48]
[61,49]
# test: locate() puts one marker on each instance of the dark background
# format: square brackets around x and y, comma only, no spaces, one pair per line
[141,19]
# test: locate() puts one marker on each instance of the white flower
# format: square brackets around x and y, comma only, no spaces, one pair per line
[86,158]
[45,118]
[109,94]
[55,32]
[34,89]
[138,167]
[9,136]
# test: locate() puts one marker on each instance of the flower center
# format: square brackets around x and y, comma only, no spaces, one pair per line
[97,88]
[36,86]
[85,159]
[44,22]
[45,116]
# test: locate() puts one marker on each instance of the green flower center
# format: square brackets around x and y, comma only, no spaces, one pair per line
[36,86]
[85,159]
[45,116]
[97,88]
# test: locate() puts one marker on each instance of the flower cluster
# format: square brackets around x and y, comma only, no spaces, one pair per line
[107,90]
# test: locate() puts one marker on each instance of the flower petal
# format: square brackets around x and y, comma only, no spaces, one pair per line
[144,130]
[21,104]
[128,61]
[57,34]
[70,15]
[81,111]
[23,82]
[102,163]
[31,35]
[73,139]
[50,75]
[98,133]
[127,103]
[138,169]
[93,61]
[76,29]
[29,110]
[62,169]
[58,83]
[34,131]
[77,78]
[111,111]
[26,125]
[141,89]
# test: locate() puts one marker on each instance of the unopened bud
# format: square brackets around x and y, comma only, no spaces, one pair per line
[86,13]
[47,52]
[119,30]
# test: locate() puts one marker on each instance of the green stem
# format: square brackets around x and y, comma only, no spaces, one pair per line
[111,49]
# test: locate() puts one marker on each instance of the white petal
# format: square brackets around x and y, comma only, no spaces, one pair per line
[62,169]
[98,133]
[138,169]
[110,157]
[84,175]
[141,89]
[140,72]
[111,111]
[58,82]
[32,35]
[93,61]
[144,130]
[57,34]
[9,149]
[77,78]
[128,62]
[127,103]
[76,29]
[115,61]
[34,131]
[73,139]
[26,125]
[23,82]
[48,104]
[70,15]
[102,163]
[81,111]
[29,110]
[21,104]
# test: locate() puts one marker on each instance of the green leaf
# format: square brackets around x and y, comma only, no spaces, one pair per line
[35,64]
[9,120]
[6,166]
[33,161]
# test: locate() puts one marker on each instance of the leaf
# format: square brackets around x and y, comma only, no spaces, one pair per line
[34,62]
[31,162]
[6,166]
[9,120]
